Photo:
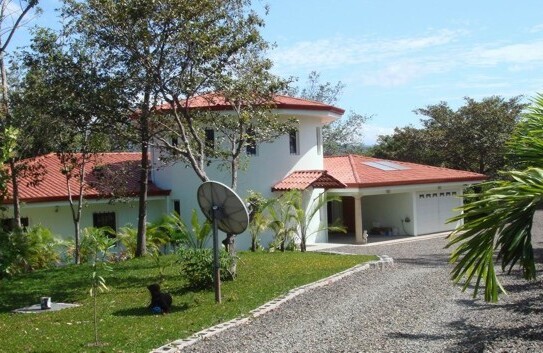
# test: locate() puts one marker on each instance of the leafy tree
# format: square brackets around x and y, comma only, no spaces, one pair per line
[342,136]
[498,220]
[169,52]
[407,144]
[8,143]
[471,138]
[62,88]
[10,21]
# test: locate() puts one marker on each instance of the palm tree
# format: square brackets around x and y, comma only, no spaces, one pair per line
[304,217]
[295,220]
[258,220]
[282,220]
[498,219]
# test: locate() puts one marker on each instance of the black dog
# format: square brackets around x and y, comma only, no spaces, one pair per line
[159,300]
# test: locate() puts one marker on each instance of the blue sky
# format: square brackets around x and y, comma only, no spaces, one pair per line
[395,56]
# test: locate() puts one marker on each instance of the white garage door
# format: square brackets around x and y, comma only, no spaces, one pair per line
[434,209]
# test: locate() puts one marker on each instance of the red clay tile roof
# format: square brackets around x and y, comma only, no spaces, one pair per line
[217,102]
[302,179]
[107,175]
[353,171]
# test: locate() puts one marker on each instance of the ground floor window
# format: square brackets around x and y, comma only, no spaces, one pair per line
[8,224]
[104,219]
[177,207]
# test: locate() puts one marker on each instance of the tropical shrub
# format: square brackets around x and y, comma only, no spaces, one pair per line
[127,237]
[197,266]
[28,250]
[92,240]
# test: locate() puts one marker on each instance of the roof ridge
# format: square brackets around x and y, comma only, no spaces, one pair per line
[353,170]
[303,99]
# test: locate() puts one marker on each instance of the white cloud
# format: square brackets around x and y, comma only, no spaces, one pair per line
[338,52]
[536,29]
[393,75]
[371,132]
[521,53]
[397,62]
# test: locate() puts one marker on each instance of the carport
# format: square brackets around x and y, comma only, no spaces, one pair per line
[390,198]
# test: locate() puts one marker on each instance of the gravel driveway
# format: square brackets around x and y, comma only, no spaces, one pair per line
[412,307]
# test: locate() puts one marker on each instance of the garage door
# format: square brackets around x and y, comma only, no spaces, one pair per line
[434,209]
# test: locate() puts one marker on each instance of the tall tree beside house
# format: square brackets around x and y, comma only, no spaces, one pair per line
[470,138]
[409,144]
[62,88]
[498,220]
[12,16]
[249,90]
[342,136]
[170,52]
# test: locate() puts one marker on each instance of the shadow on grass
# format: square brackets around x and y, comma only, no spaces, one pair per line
[13,296]
[145,311]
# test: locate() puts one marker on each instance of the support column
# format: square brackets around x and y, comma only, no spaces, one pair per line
[358,220]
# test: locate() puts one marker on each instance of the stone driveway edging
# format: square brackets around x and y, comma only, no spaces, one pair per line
[176,346]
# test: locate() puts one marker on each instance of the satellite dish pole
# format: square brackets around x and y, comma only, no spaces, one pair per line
[216,265]
[227,212]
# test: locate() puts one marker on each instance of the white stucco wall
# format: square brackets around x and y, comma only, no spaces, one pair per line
[271,164]
[58,217]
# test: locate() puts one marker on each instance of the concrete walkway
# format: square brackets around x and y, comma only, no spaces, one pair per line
[375,241]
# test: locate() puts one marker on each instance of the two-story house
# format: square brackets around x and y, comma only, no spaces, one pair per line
[379,196]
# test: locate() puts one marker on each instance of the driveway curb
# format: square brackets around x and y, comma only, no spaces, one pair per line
[176,346]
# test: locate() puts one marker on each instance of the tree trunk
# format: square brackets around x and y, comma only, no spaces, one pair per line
[15,195]
[77,240]
[303,247]
[141,246]
[229,241]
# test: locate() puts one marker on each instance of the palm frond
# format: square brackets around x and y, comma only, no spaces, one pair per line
[497,226]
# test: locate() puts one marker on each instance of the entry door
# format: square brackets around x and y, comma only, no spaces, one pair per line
[434,209]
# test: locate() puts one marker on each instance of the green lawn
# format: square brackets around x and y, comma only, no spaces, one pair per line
[126,325]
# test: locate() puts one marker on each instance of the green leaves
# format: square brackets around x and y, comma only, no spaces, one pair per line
[473,137]
[497,226]
[526,144]
[498,219]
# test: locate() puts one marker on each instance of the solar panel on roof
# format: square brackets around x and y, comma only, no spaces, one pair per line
[385,165]
[393,165]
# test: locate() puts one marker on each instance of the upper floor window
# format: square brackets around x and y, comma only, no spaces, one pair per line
[210,139]
[293,142]
[319,140]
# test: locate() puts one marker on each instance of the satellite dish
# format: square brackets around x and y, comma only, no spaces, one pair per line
[225,209]
[230,211]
